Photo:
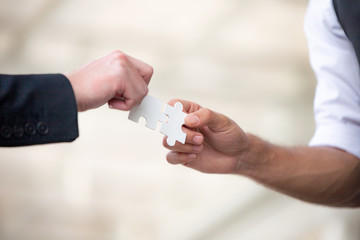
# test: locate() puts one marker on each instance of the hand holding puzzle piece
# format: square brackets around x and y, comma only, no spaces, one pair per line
[172,118]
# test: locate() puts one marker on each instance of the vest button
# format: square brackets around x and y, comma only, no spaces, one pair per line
[42,128]
[5,131]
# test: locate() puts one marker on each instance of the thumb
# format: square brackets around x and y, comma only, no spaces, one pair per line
[205,117]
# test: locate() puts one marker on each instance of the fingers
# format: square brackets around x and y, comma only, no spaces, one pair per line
[133,77]
[188,107]
[180,158]
[131,97]
[199,117]
[183,148]
[134,94]
[192,137]
[121,104]
[125,104]
[145,70]
[117,79]
[136,90]
[193,143]
[206,117]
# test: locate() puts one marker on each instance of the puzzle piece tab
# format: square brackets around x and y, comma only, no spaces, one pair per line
[172,118]
[172,127]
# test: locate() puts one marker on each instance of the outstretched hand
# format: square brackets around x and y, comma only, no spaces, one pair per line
[117,79]
[213,143]
[216,144]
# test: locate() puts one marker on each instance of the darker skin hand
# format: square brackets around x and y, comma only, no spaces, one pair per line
[213,141]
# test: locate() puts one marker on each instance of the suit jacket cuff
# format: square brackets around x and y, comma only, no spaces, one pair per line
[37,109]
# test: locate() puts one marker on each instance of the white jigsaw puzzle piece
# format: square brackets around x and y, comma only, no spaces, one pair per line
[172,118]
[150,108]
[173,127]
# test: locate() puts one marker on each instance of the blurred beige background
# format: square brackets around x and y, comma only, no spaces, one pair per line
[246,59]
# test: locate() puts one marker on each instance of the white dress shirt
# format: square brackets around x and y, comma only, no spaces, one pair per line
[337,97]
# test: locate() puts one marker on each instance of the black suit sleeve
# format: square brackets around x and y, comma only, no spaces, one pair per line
[37,109]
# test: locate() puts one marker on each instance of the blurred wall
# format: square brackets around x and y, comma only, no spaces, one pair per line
[246,59]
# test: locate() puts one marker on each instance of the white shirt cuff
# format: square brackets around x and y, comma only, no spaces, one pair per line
[345,137]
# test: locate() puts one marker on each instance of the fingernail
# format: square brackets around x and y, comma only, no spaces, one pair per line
[192,119]
[192,156]
[198,139]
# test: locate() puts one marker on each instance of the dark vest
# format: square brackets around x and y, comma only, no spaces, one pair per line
[348,13]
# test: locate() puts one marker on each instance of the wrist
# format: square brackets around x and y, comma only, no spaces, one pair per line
[255,156]
[71,79]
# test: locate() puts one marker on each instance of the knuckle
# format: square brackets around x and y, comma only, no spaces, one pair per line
[146,90]
[119,58]
[117,53]
[207,112]
[150,70]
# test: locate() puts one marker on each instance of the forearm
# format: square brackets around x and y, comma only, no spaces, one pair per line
[315,174]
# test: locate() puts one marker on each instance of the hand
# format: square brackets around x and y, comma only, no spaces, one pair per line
[213,144]
[116,79]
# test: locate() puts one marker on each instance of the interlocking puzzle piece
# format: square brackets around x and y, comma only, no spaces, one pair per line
[172,118]
[172,127]
[150,109]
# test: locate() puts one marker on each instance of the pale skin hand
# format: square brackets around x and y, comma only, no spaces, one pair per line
[117,79]
[216,144]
